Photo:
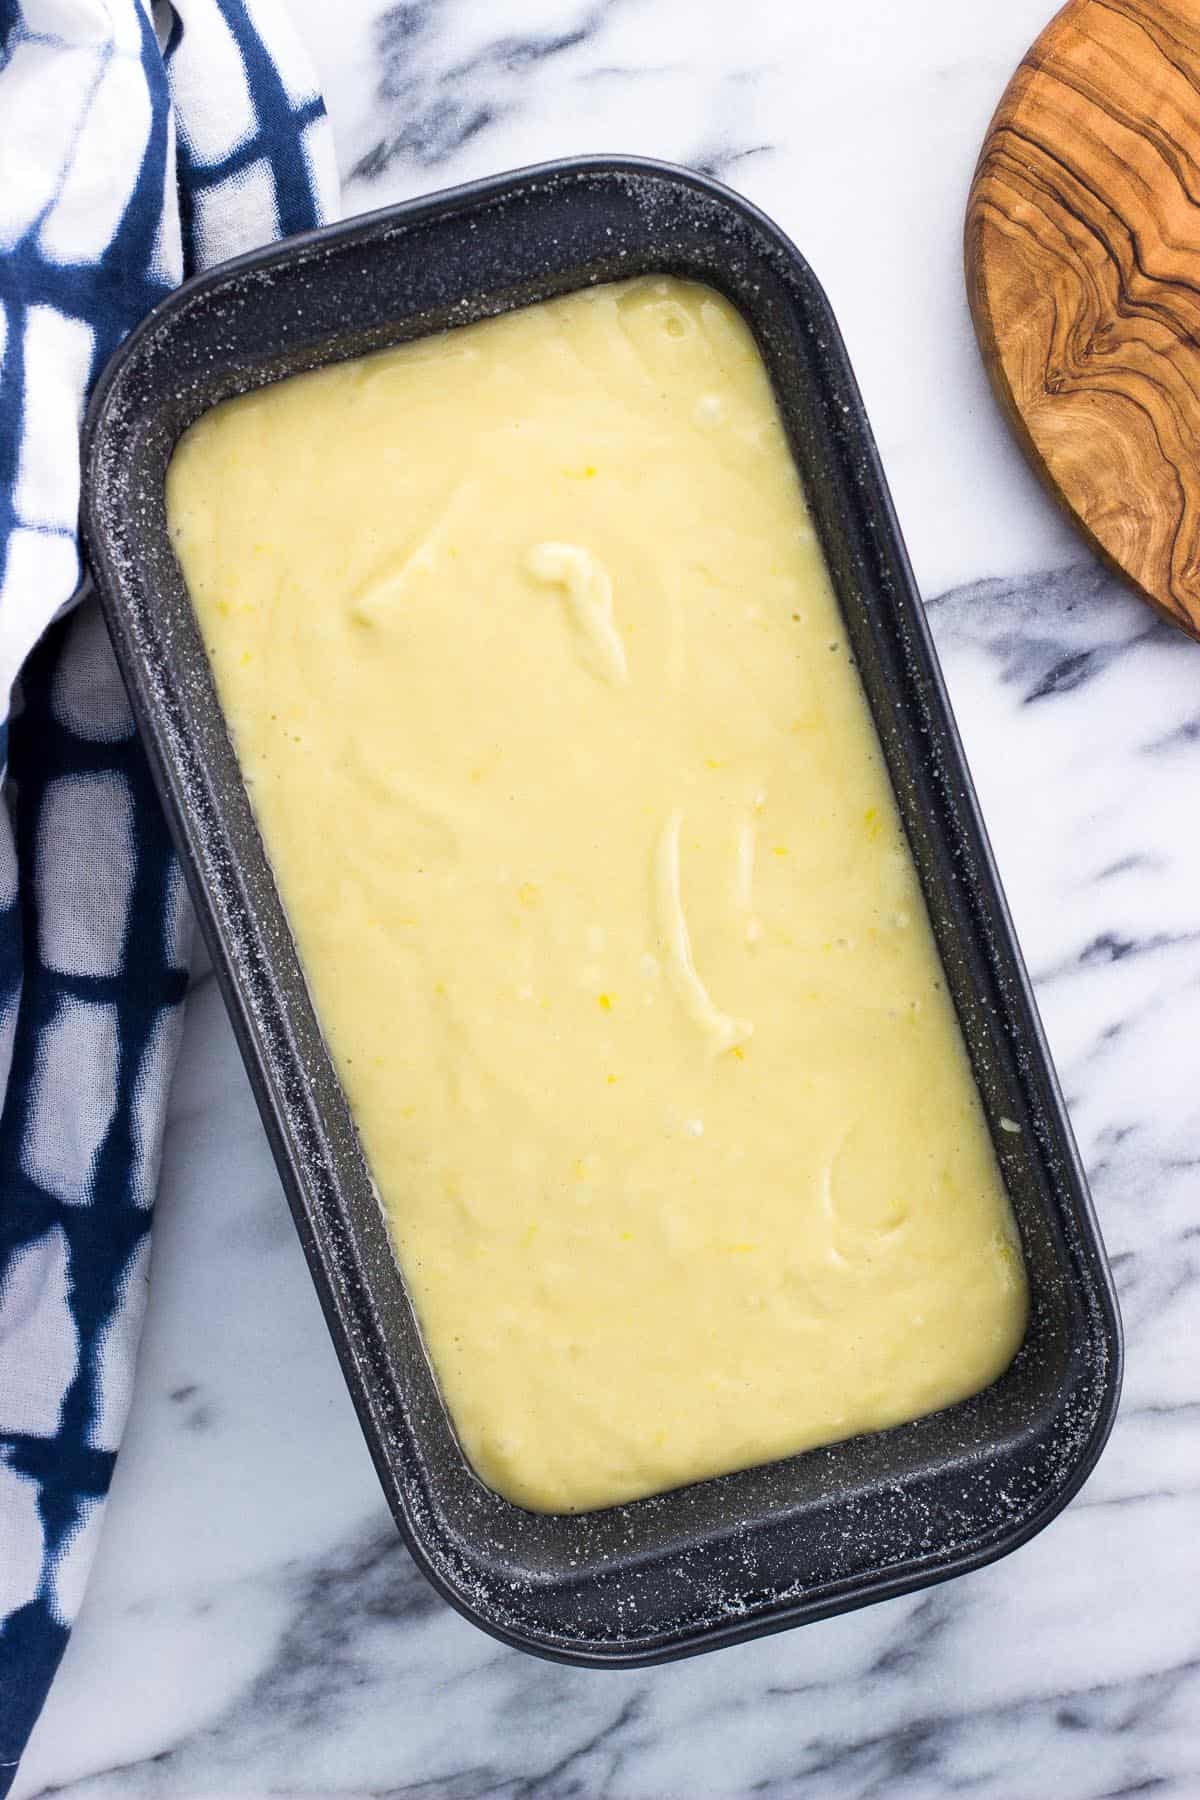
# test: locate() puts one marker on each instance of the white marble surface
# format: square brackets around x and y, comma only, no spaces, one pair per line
[253,1627]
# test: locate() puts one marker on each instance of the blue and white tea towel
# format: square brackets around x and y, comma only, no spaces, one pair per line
[137,144]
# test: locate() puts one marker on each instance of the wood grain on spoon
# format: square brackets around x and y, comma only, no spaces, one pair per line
[1083,273]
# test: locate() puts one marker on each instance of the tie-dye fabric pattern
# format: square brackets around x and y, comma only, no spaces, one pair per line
[137,145]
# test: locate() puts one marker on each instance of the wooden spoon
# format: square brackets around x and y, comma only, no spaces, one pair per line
[1083,274]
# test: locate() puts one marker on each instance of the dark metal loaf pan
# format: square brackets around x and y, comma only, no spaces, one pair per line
[771,1546]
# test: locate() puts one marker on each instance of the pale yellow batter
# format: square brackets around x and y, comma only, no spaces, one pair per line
[547,714]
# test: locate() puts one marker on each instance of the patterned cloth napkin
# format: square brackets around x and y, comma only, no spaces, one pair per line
[137,145]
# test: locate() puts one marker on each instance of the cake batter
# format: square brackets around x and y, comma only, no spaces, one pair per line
[550,723]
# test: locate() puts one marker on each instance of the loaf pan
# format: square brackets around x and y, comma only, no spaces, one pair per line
[768,1547]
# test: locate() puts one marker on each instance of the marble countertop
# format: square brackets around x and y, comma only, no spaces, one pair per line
[253,1626]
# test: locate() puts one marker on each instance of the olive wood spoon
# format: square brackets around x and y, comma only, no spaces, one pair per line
[1083,275]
